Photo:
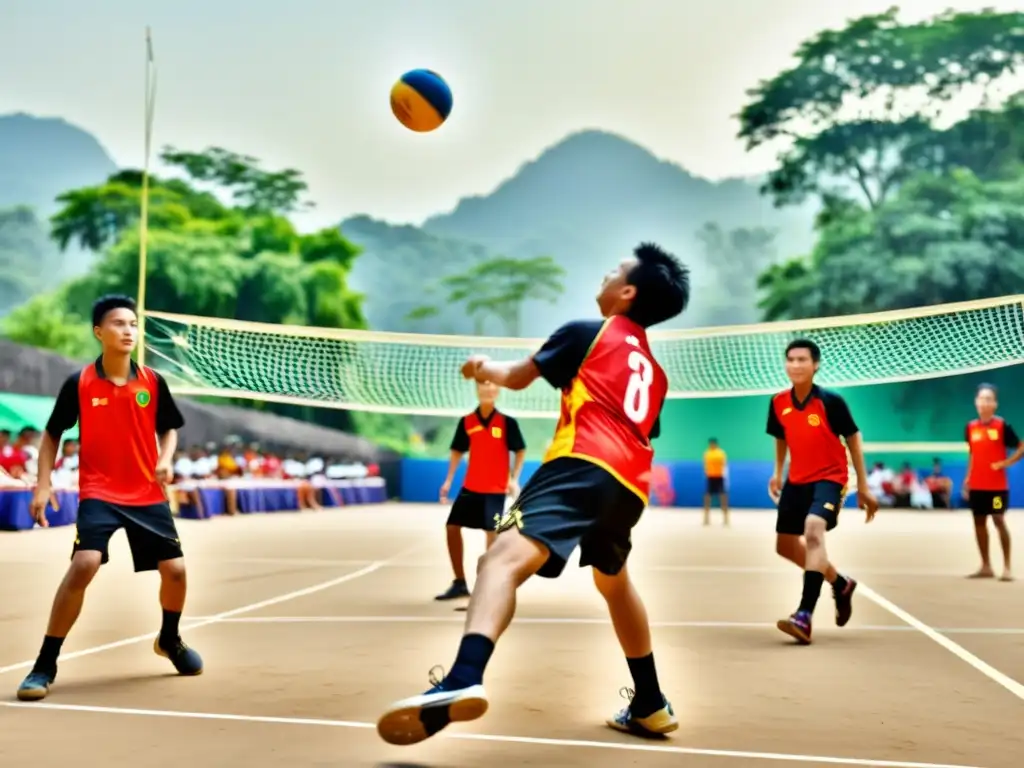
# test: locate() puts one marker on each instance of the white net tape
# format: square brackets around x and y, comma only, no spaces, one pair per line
[411,373]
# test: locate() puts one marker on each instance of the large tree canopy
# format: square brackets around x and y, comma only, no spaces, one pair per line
[920,205]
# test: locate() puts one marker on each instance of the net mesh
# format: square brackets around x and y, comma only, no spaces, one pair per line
[411,373]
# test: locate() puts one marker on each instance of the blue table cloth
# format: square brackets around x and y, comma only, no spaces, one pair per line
[15,514]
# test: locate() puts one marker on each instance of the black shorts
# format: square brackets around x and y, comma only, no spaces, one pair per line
[569,502]
[151,532]
[716,485]
[477,510]
[824,499]
[983,503]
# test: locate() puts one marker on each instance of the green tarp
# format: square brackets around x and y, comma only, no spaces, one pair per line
[17,411]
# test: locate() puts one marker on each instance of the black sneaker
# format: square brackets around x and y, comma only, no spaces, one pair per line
[184,659]
[455,591]
[844,603]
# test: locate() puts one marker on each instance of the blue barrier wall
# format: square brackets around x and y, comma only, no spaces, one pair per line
[748,481]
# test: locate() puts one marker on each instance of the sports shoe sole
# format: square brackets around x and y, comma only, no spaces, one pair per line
[793,631]
[403,723]
[33,694]
[664,725]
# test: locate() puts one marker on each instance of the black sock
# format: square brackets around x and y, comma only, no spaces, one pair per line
[647,698]
[47,659]
[474,653]
[169,628]
[812,590]
[839,585]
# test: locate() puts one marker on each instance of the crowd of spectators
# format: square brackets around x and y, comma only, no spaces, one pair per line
[908,488]
[230,465]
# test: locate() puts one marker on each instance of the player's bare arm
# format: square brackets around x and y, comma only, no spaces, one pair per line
[47,458]
[167,445]
[1009,461]
[775,483]
[864,496]
[511,375]
[517,470]
[453,466]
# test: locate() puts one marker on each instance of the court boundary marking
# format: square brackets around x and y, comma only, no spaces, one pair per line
[293,595]
[935,636]
[526,740]
[595,621]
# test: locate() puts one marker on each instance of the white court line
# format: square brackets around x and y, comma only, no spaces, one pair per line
[375,566]
[932,634]
[620,746]
[594,621]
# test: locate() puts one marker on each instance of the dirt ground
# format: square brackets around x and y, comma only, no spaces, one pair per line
[310,624]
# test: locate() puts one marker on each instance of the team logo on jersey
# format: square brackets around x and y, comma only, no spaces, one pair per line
[142,398]
[993,434]
[496,432]
[813,420]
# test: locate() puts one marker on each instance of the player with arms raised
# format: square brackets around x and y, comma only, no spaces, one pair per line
[590,492]
[808,422]
[986,485]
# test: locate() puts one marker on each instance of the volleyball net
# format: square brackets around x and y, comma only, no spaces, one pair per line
[419,373]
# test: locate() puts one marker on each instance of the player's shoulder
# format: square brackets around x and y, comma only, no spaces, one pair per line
[828,396]
[581,328]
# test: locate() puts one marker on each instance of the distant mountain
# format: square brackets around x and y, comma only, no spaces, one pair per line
[587,201]
[40,157]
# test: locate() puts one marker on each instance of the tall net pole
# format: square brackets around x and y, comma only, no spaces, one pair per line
[150,103]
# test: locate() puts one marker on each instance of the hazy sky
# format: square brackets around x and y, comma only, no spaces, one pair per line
[305,83]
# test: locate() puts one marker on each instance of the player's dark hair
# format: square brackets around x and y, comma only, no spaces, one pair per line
[807,344]
[109,303]
[990,387]
[662,286]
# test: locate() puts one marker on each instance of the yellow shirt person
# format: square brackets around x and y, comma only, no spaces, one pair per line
[715,471]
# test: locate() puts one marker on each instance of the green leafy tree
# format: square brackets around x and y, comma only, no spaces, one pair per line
[499,288]
[44,322]
[255,190]
[858,99]
[943,238]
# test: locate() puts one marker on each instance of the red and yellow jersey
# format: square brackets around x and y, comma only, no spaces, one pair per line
[811,429]
[989,442]
[489,440]
[118,428]
[612,394]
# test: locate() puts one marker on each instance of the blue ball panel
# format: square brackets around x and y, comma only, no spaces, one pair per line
[432,87]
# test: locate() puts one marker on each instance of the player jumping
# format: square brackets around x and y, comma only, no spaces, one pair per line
[128,425]
[488,436]
[986,486]
[808,421]
[589,491]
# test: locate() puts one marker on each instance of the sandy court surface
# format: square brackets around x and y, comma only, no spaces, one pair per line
[310,623]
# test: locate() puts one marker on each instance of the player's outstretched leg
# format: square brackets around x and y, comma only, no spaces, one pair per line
[649,713]
[67,605]
[172,600]
[794,549]
[456,554]
[799,625]
[460,695]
